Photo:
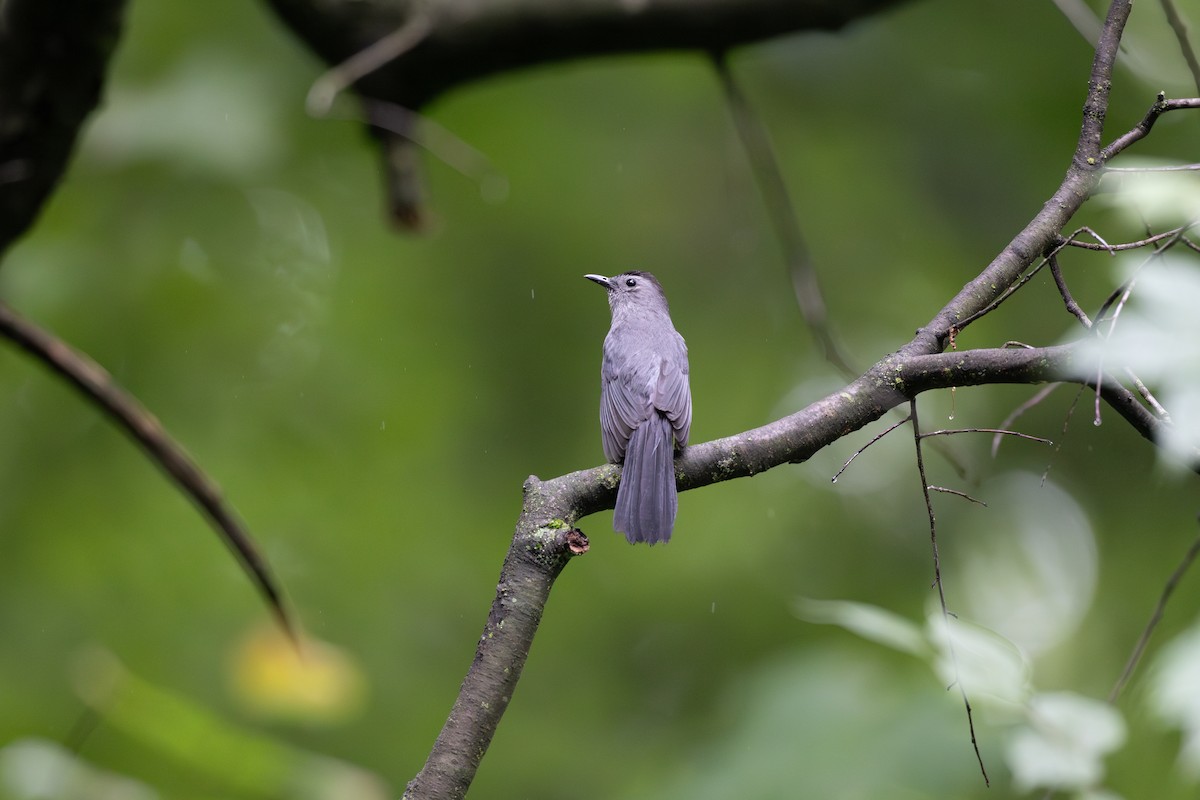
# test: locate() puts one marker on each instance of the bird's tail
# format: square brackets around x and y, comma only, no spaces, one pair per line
[646,499]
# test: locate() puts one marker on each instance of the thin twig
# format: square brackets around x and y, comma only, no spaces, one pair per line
[1155,168]
[1065,427]
[439,141]
[860,450]
[1160,106]
[997,431]
[1007,293]
[937,581]
[1148,396]
[123,408]
[1181,35]
[1038,397]
[957,493]
[1073,240]
[1072,306]
[1159,608]
[1117,301]
[404,38]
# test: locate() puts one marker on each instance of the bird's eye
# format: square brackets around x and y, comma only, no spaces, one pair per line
[631,282]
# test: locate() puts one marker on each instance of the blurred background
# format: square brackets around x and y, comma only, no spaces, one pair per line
[372,401]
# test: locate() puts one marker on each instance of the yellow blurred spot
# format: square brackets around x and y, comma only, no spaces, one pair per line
[320,683]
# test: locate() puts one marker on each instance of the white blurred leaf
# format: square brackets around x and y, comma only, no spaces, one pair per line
[1163,198]
[1175,694]
[1064,744]
[1158,337]
[36,769]
[982,661]
[1030,573]
[870,622]
[210,113]
[1097,794]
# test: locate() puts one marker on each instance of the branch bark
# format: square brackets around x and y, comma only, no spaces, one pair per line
[471,39]
[917,367]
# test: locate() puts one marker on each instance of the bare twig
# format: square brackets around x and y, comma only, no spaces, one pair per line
[1155,168]
[957,493]
[1160,106]
[1148,396]
[1068,299]
[94,382]
[1117,301]
[1066,426]
[937,581]
[1038,397]
[395,44]
[860,450]
[997,431]
[1073,239]
[1155,617]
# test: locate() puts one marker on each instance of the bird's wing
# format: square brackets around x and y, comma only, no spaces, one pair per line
[623,406]
[673,395]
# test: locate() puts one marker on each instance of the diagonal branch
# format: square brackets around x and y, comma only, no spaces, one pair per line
[540,547]
[782,214]
[554,506]
[1036,237]
[94,382]
[1179,27]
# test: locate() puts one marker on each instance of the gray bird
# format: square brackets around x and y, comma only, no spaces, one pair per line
[645,404]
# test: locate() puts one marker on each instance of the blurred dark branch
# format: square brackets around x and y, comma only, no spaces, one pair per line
[53,56]
[462,41]
[1160,608]
[99,388]
[1181,35]
[782,213]
[409,53]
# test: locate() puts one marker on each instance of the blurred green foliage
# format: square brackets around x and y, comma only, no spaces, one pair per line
[371,403]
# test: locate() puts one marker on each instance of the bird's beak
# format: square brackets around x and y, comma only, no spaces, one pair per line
[600,279]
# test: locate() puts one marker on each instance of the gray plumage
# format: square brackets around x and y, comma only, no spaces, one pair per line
[645,404]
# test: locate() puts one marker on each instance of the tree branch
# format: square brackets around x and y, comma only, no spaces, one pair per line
[919,366]
[53,57]
[540,549]
[541,544]
[466,40]
[1036,237]
[409,53]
